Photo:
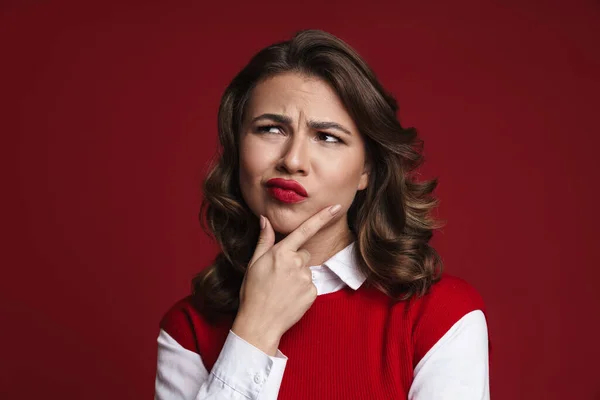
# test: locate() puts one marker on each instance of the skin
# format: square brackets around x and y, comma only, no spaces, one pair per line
[277,289]
[331,170]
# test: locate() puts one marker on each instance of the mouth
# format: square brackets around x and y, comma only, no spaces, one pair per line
[286,191]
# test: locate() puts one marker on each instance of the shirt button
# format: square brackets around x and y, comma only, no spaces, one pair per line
[314,275]
[257,378]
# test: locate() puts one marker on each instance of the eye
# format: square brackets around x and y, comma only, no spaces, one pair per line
[328,137]
[268,129]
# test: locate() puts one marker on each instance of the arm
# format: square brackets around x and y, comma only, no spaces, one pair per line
[242,371]
[457,365]
[276,291]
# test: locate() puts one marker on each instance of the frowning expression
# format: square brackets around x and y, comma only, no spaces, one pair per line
[300,151]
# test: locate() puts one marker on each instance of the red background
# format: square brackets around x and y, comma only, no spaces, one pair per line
[109,115]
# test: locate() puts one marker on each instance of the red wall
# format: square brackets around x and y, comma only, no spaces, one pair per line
[109,114]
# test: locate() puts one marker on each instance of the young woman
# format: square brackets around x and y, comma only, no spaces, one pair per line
[326,286]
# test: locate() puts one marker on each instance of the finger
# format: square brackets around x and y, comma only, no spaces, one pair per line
[266,239]
[308,228]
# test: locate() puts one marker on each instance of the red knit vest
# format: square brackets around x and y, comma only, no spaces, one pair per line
[349,344]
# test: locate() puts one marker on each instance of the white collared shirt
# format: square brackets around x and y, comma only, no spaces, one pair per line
[456,366]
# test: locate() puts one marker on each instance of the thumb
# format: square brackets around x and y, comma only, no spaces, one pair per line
[266,239]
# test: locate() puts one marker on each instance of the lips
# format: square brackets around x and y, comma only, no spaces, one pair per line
[286,191]
[288,185]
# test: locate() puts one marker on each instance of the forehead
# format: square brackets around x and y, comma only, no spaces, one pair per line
[298,96]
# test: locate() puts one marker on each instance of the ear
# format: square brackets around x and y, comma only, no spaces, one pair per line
[364,178]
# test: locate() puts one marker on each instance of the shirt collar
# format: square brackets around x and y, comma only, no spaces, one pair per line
[344,265]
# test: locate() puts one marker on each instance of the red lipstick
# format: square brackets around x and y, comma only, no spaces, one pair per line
[286,190]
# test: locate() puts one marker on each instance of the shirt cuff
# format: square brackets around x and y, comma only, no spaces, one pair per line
[245,368]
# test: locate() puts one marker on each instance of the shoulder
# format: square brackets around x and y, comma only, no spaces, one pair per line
[452,294]
[179,322]
[447,303]
[185,323]
[177,315]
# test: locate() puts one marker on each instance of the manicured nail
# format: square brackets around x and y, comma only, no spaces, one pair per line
[263,222]
[334,209]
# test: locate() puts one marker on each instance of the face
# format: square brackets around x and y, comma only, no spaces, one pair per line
[297,129]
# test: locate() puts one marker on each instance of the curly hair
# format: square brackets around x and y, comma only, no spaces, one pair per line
[391,219]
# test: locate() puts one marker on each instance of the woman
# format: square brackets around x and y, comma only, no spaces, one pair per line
[326,286]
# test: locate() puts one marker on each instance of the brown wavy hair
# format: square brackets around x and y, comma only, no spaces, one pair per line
[391,219]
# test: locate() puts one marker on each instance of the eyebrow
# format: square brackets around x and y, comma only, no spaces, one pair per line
[316,125]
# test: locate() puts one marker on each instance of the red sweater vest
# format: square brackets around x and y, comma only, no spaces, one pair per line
[349,344]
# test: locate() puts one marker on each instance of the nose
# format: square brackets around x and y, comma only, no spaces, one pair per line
[295,158]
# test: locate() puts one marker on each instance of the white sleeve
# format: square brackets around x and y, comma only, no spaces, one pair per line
[457,366]
[242,371]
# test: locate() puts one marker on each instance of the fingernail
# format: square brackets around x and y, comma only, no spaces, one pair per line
[334,209]
[263,222]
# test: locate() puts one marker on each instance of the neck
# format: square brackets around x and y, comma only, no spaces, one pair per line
[328,241]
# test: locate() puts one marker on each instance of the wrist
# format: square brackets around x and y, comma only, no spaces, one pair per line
[266,340]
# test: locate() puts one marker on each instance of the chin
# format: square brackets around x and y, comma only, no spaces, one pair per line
[285,220]
[284,226]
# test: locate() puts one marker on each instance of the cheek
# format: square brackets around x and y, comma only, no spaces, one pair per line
[250,160]
[342,174]
[257,156]
[254,164]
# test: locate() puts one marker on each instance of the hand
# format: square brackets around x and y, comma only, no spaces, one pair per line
[277,288]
